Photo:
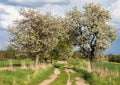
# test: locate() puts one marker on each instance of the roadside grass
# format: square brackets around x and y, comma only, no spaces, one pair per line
[88,77]
[78,63]
[4,63]
[24,77]
[111,66]
[10,77]
[41,76]
[106,81]
[62,78]
[72,77]
[80,66]
[33,77]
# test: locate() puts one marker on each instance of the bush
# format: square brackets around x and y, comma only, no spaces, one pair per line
[58,65]
[74,62]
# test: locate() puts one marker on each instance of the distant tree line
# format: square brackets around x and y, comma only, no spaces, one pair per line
[7,54]
[11,53]
[113,58]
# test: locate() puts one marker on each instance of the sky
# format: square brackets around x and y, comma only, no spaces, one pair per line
[9,12]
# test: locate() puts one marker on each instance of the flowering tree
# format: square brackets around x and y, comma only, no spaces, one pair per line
[36,33]
[91,30]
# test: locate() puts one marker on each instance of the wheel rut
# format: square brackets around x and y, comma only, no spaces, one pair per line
[51,78]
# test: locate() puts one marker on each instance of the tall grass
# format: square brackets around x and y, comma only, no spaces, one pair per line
[109,72]
[111,66]
[24,77]
[113,77]
[12,77]
[61,79]
[4,63]
[41,76]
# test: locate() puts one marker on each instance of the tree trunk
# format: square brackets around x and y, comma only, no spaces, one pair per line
[37,61]
[91,58]
[46,60]
[23,64]
[93,48]
[10,64]
[51,60]
[91,65]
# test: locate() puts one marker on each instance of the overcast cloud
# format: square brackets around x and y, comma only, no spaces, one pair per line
[9,12]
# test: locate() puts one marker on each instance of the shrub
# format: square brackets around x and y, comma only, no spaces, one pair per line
[58,65]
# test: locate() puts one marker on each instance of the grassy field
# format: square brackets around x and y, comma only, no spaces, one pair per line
[41,76]
[113,70]
[14,77]
[109,72]
[5,63]
[111,66]
[24,77]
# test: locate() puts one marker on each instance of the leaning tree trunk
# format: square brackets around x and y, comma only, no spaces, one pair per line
[92,52]
[36,61]
[90,64]
[91,58]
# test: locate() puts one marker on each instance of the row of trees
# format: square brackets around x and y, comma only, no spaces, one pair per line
[7,54]
[43,34]
[113,58]
[37,33]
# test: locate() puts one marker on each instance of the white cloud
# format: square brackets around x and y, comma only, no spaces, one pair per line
[37,1]
[8,13]
[56,10]
[52,1]
[115,11]
[80,3]
[11,13]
